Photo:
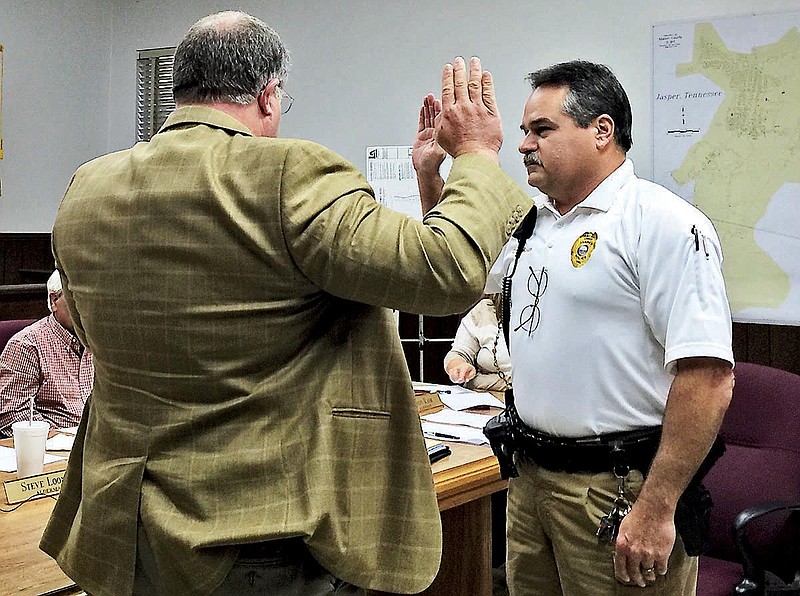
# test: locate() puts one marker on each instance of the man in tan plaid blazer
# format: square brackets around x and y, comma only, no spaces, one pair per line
[234,287]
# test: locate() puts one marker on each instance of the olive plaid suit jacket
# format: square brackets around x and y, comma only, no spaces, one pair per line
[250,383]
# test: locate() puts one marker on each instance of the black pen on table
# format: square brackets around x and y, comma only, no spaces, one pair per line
[443,436]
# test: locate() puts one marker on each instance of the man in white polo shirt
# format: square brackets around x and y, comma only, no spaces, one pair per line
[620,334]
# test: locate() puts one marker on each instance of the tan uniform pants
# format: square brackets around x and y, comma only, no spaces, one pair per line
[551,541]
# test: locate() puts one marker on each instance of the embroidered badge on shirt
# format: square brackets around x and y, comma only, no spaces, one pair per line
[582,248]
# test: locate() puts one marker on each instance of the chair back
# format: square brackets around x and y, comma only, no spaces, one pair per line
[761,463]
[10,328]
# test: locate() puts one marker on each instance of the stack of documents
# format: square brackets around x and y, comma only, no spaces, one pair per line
[449,432]
[59,442]
[454,422]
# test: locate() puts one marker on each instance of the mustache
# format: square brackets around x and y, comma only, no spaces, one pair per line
[531,159]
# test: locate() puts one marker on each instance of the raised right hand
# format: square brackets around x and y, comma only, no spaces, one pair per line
[470,121]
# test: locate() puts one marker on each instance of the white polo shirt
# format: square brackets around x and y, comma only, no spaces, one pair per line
[605,299]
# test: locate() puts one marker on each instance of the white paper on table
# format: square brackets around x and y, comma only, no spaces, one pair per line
[8,459]
[60,442]
[72,430]
[450,432]
[448,416]
[462,399]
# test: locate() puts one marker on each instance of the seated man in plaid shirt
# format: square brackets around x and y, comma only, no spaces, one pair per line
[45,363]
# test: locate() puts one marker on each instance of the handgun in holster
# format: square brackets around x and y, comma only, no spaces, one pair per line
[500,432]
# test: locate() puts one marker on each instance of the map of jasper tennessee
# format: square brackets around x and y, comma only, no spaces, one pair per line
[726,119]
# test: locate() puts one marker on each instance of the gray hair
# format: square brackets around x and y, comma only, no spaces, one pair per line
[593,91]
[53,285]
[227,57]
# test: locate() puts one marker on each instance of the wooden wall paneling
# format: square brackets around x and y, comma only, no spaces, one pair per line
[759,343]
[27,258]
[23,301]
[26,261]
[24,257]
[752,343]
[785,348]
[739,342]
[12,259]
[771,345]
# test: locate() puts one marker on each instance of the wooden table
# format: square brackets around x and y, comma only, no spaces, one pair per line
[464,483]
[24,569]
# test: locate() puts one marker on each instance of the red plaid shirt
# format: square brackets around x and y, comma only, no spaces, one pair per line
[48,364]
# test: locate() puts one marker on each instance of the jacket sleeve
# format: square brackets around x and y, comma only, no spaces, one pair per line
[350,246]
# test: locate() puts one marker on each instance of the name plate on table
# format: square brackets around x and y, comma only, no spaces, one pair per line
[428,403]
[33,487]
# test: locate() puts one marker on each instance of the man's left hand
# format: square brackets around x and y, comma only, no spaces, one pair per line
[644,544]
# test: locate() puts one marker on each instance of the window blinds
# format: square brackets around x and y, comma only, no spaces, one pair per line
[154,100]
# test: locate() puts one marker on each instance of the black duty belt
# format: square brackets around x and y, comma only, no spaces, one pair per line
[617,452]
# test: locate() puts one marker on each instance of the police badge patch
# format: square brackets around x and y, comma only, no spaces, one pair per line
[582,248]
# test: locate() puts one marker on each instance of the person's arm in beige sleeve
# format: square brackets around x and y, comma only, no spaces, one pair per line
[460,361]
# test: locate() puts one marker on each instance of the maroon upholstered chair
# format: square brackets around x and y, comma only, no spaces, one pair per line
[755,486]
[9,328]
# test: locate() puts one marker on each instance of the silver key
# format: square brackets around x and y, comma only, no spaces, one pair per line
[608,529]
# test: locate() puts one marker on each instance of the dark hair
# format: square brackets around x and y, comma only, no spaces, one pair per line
[593,91]
[228,56]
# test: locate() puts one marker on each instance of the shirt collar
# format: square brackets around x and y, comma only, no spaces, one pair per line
[602,197]
[62,333]
[192,115]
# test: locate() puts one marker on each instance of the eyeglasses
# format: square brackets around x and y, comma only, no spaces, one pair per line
[286,100]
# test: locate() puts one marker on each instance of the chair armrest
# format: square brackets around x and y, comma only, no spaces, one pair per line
[754,573]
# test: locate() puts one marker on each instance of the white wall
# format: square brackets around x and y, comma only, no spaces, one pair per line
[361,67]
[55,102]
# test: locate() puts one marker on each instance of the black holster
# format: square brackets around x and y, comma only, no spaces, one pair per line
[693,512]
[501,435]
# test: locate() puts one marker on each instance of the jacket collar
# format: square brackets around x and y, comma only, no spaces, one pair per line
[193,115]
